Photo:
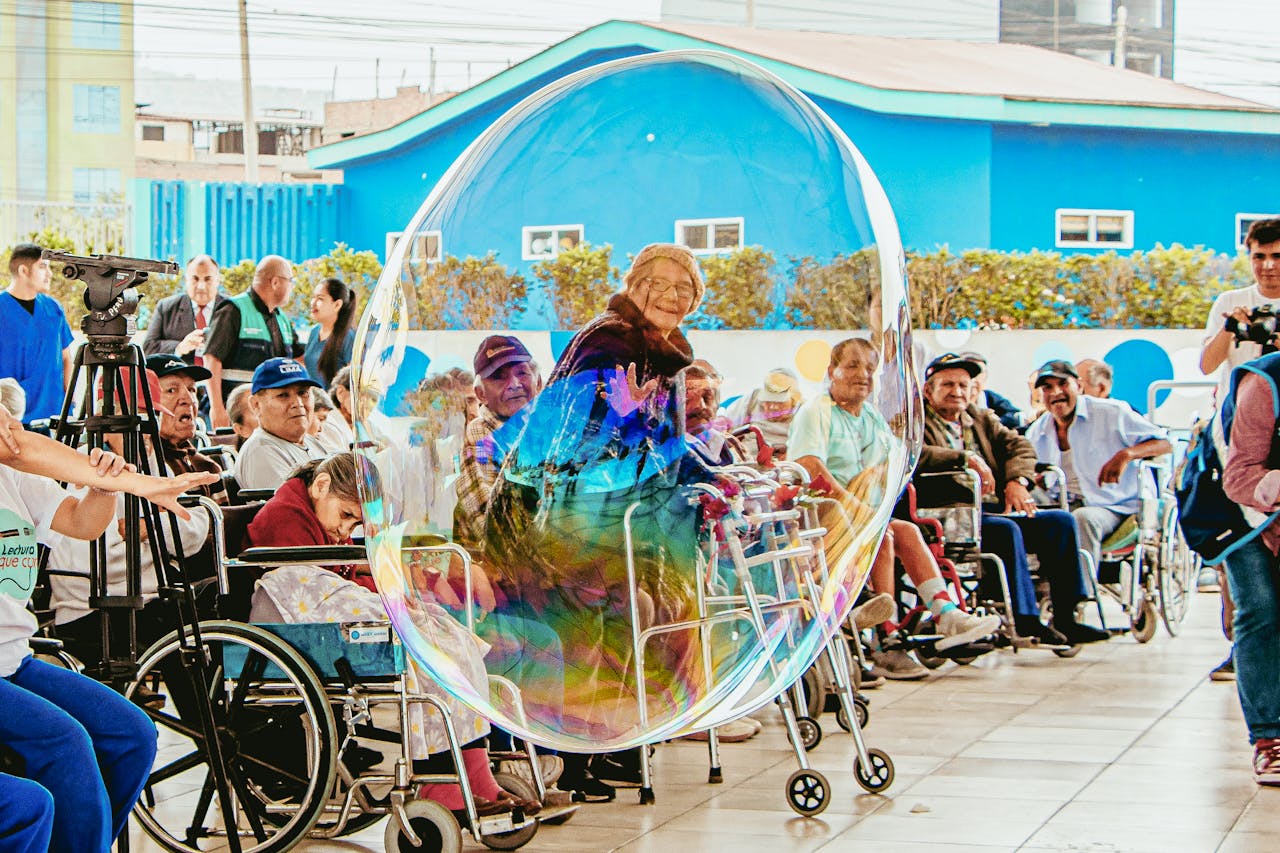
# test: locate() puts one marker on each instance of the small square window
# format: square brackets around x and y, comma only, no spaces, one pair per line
[1085,229]
[426,247]
[542,242]
[709,236]
[1245,220]
[153,133]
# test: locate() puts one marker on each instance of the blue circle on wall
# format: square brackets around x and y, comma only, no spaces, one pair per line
[1137,364]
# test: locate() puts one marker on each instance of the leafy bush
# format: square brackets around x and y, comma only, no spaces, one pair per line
[835,295]
[742,292]
[471,293]
[579,282]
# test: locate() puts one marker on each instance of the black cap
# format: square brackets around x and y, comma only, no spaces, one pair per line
[949,360]
[1056,369]
[167,363]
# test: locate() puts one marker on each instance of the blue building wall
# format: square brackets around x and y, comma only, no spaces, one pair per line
[1183,187]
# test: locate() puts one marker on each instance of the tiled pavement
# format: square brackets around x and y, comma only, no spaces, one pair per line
[1126,747]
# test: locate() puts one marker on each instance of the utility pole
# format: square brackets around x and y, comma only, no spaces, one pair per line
[1122,20]
[250,126]
[431,77]
[751,13]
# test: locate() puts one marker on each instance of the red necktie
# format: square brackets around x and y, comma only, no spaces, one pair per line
[200,324]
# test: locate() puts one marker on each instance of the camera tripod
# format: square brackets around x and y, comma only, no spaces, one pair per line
[108,360]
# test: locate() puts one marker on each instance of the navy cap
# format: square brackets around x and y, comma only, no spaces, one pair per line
[167,364]
[949,360]
[280,373]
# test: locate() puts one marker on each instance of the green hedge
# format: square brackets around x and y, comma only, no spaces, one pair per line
[749,289]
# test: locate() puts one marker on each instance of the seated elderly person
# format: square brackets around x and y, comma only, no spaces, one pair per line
[770,408]
[1094,441]
[281,400]
[984,398]
[328,428]
[841,439]
[958,435]
[80,628]
[1096,378]
[243,420]
[178,412]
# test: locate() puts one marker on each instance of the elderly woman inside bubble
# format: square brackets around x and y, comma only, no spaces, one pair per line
[605,440]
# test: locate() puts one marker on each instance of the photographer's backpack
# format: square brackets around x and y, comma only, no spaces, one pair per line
[1212,524]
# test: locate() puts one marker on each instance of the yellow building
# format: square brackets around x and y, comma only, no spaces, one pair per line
[66,110]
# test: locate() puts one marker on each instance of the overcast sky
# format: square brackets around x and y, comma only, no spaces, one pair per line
[322,45]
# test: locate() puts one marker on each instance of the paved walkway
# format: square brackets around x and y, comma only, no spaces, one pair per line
[1124,748]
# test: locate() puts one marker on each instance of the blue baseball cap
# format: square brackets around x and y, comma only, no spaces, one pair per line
[279,373]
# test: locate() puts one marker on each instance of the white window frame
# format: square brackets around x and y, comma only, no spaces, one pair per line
[1092,242]
[1238,237]
[393,237]
[710,225]
[556,234]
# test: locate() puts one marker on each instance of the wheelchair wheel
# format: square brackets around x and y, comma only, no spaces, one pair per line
[879,776]
[277,735]
[861,710]
[1176,575]
[1142,623]
[516,837]
[808,793]
[432,823]
[810,732]
[815,694]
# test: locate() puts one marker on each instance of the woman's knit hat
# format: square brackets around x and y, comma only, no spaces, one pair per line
[673,252]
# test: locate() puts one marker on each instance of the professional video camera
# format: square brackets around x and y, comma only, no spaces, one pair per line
[110,292]
[1261,328]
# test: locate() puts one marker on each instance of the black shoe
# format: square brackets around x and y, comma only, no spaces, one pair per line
[588,790]
[359,758]
[609,769]
[1032,628]
[1077,633]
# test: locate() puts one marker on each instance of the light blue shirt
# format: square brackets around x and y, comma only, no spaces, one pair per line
[1100,430]
[845,443]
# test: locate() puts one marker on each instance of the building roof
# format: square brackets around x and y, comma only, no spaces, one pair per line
[934,78]
[942,66]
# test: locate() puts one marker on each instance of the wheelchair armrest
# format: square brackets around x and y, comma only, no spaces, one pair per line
[212,450]
[45,645]
[254,495]
[315,555]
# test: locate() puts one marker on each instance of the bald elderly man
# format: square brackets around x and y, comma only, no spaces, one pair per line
[248,329]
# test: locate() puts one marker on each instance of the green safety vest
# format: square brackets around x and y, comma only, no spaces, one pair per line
[255,340]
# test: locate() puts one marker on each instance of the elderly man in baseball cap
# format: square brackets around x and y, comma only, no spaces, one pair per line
[281,398]
[1094,441]
[176,380]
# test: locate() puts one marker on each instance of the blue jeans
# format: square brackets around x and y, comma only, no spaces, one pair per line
[1050,534]
[26,816]
[86,744]
[1251,573]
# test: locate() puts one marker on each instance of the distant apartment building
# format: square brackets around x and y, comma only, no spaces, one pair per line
[66,108]
[1086,28]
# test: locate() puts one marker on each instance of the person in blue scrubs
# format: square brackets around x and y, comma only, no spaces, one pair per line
[35,348]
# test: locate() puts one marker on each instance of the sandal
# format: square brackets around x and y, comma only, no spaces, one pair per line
[529,807]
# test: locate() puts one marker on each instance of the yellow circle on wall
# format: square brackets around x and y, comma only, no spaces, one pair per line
[812,358]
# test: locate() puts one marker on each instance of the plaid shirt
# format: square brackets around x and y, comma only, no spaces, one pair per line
[476,479]
[184,458]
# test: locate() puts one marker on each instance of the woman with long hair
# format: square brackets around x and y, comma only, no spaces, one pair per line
[333,307]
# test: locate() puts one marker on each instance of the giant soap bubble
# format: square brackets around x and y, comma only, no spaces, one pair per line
[623,588]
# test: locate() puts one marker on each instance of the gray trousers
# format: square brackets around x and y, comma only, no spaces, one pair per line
[1093,525]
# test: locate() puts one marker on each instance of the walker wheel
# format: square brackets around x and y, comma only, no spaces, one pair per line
[432,823]
[810,732]
[879,776]
[807,792]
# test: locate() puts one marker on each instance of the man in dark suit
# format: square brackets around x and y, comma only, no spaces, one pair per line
[178,322]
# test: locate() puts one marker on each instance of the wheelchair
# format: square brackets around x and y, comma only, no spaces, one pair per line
[289,702]
[975,575]
[1145,565]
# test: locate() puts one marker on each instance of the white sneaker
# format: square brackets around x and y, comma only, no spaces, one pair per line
[875,610]
[959,628]
[897,665]
[552,766]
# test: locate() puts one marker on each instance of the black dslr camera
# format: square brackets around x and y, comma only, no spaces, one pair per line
[1261,328]
[110,292]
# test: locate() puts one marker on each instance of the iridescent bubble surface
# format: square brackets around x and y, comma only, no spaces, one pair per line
[623,585]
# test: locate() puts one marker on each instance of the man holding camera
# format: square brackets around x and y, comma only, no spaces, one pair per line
[1224,345]
[1232,309]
